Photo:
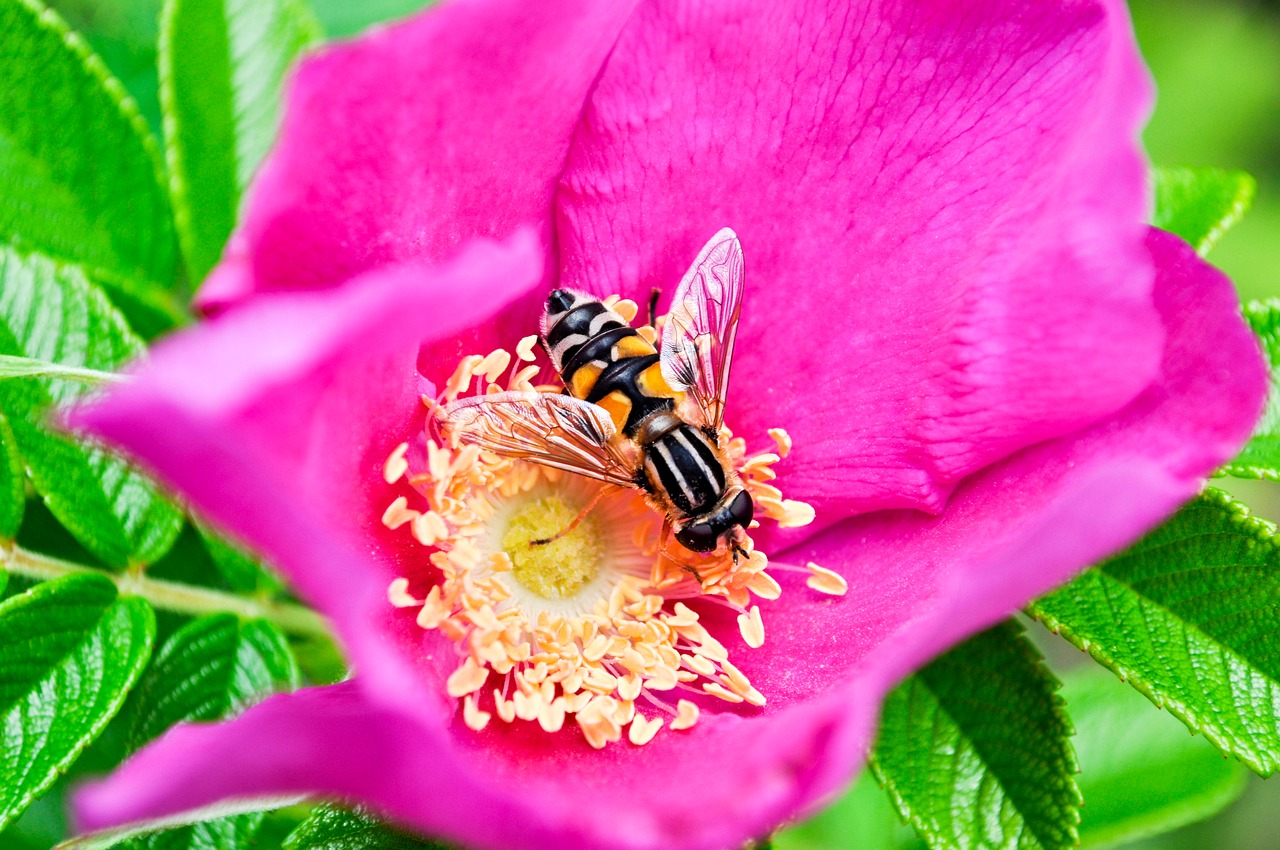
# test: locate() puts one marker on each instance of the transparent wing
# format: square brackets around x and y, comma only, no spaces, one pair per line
[698,338]
[553,430]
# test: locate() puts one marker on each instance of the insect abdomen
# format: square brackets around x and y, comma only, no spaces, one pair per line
[602,359]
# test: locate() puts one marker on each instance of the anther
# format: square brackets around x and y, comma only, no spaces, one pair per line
[826,581]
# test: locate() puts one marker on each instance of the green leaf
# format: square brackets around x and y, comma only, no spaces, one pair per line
[242,571]
[1188,617]
[107,838]
[72,650]
[49,311]
[234,833]
[13,488]
[332,828]
[974,750]
[222,66]
[212,668]
[209,669]
[1201,204]
[862,819]
[79,170]
[1260,457]
[1142,774]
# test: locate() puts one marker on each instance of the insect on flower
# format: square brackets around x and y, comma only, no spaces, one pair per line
[632,417]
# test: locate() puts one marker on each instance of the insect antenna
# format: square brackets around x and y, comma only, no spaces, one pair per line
[654,295]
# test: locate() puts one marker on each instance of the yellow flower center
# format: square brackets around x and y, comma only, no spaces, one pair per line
[592,626]
[560,568]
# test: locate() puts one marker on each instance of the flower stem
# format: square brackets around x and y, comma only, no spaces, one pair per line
[172,596]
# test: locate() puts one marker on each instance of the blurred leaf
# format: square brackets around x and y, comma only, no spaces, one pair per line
[79,170]
[332,828]
[1201,204]
[1260,457]
[1142,774]
[49,311]
[974,752]
[106,838]
[862,819]
[212,668]
[222,66]
[72,651]
[343,18]
[233,833]
[242,571]
[1188,617]
[13,487]
[320,658]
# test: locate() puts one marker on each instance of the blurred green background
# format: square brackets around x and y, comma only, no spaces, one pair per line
[1217,66]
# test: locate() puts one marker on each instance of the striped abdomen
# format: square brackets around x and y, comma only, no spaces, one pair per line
[602,359]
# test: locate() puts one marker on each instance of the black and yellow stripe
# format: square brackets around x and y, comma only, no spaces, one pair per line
[603,360]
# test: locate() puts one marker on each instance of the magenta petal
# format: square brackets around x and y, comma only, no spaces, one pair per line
[917,584]
[329,740]
[334,742]
[275,420]
[939,206]
[412,139]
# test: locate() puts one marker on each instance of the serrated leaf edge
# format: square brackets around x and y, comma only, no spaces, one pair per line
[113,706]
[47,18]
[1057,706]
[1263,533]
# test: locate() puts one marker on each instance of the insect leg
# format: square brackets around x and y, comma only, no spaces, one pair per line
[582,514]
[666,556]
[654,295]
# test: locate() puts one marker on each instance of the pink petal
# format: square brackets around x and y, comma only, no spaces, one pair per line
[940,209]
[275,420]
[335,742]
[329,739]
[405,143]
[917,584]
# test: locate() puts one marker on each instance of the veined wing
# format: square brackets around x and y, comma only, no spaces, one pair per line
[554,430]
[699,335]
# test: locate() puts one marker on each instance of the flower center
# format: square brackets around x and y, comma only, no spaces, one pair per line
[605,617]
[552,566]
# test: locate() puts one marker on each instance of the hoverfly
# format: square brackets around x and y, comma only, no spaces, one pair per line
[630,416]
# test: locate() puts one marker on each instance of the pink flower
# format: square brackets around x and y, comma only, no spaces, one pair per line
[992,373]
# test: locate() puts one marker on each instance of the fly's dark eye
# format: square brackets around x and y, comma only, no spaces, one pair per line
[698,537]
[742,509]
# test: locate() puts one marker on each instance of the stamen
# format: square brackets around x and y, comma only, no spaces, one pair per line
[752,627]
[824,580]
[686,715]
[595,621]
[472,715]
[642,731]
[782,439]
[493,365]
[398,594]
[396,466]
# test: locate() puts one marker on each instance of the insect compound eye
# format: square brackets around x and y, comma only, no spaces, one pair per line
[742,509]
[698,537]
